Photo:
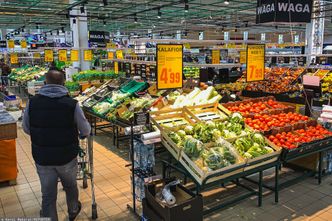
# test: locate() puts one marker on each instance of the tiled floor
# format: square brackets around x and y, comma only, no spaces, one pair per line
[304,201]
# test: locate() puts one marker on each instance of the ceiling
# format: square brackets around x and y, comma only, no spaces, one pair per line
[121,15]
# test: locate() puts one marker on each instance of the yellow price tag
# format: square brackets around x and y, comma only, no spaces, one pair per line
[119,54]
[23,44]
[48,53]
[62,55]
[255,62]
[215,56]
[169,66]
[11,44]
[110,45]
[87,55]
[110,55]
[116,67]
[14,58]
[36,55]
[186,46]
[243,57]
[74,55]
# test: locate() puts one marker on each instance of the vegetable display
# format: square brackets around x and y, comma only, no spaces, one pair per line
[27,73]
[218,157]
[90,75]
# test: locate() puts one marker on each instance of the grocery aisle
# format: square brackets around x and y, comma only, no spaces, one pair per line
[304,201]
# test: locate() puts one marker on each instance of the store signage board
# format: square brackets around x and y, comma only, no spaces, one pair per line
[186,45]
[99,38]
[169,66]
[116,67]
[36,55]
[215,56]
[110,55]
[285,11]
[111,45]
[14,58]
[141,118]
[48,53]
[74,55]
[11,44]
[62,55]
[23,44]
[119,54]
[255,62]
[311,80]
[243,57]
[87,55]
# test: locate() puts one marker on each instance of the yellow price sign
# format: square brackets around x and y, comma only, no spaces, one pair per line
[74,55]
[48,53]
[169,66]
[11,44]
[87,55]
[110,55]
[243,57]
[116,67]
[23,44]
[119,54]
[36,55]
[14,58]
[215,56]
[110,45]
[62,55]
[186,46]
[255,62]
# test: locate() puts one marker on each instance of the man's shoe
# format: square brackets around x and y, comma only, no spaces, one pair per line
[73,216]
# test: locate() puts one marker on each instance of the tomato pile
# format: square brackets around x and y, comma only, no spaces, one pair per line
[291,140]
[255,107]
[266,122]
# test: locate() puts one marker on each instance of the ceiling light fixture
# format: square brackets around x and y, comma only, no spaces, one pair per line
[159,13]
[186,8]
[82,9]
[226,2]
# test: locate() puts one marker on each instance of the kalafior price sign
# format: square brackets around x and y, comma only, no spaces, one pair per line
[169,66]
[255,62]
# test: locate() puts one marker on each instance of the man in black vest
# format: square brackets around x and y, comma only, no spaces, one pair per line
[54,122]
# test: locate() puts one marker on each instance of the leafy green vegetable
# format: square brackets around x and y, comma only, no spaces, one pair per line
[193,148]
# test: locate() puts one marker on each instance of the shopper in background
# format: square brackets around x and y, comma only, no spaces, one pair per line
[54,121]
[5,71]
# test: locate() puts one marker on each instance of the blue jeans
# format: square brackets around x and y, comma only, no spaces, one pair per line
[4,80]
[48,176]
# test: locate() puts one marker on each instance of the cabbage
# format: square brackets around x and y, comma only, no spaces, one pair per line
[181,133]
[216,134]
[189,130]
[175,137]
[193,148]
[236,118]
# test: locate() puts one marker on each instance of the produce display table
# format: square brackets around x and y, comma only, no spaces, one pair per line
[8,134]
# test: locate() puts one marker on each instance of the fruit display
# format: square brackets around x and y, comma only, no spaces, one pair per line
[27,73]
[264,122]
[236,86]
[191,72]
[321,73]
[291,140]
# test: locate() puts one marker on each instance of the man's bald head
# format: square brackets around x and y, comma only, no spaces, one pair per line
[55,77]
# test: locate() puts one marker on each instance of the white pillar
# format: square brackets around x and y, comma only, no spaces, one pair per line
[315,31]
[80,35]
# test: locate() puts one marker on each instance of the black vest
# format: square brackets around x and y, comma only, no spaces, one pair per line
[54,134]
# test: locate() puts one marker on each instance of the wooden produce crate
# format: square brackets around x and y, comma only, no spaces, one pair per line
[179,116]
[202,176]
[264,159]
[206,112]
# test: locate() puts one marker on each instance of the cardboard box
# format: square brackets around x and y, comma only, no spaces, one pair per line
[188,206]
[8,162]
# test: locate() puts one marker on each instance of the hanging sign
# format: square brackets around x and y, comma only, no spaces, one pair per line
[111,45]
[298,11]
[215,56]
[74,55]
[48,55]
[62,55]
[14,58]
[110,55]
[243,57]
[186,45]
[255,62]
[23,44]
[119,54]
[116,67]
[169,66]
[99,38]
[11,44]
[87,55]
[36,55]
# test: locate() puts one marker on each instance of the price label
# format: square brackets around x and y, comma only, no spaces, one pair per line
[119,54]
[62,55]
[74,55]
[36,55]
[186,46]
[255,62]
[215,56]
[169,66]
[116,67]
[243,57]
[110,55]
[23,44]
[88,55]
[48,55]
[110,45]
[11,44]
[14,58]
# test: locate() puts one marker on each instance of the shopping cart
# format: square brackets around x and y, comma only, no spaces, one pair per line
[85,169]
